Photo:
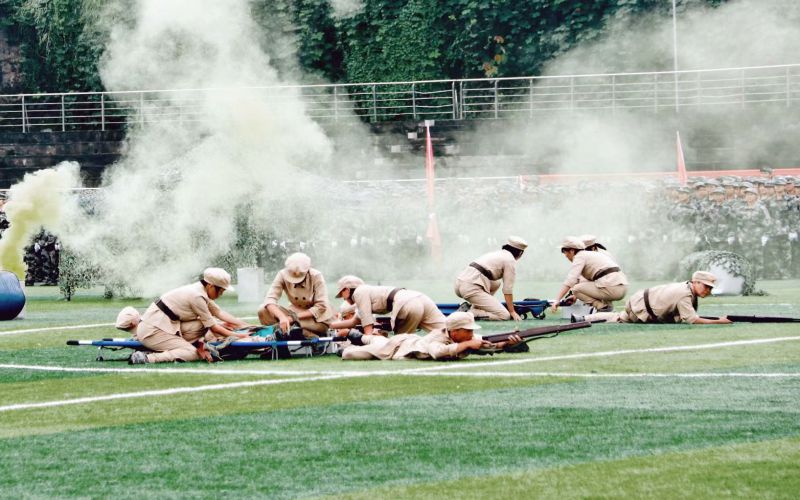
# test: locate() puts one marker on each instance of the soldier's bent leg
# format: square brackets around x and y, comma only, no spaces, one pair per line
[168,347]
[611,317]
[432,317]
[372,344]
[598,297]
[409,316]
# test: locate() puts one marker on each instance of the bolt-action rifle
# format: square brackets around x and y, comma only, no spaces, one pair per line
[529,335]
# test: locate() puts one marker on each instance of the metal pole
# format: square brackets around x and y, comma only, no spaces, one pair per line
[788,87]
[336,103]
[454,99]
[613,94]
[496,104]
[63,119]
[374,105]
[530,97]
[103,112]
[414,100]
[675,51]
[23,114]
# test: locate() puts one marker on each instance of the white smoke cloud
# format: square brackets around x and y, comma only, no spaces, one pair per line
[346,8]
[39,200]
[169,205]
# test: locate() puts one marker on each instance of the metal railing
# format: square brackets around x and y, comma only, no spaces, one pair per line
[488,98]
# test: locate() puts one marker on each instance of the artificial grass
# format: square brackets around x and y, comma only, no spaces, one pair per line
[406,436]
[328,448]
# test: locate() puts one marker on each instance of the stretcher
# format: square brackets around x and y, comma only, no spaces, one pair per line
[533,308]
[268,348]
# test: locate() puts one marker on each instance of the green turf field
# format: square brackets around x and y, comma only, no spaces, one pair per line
[611,411]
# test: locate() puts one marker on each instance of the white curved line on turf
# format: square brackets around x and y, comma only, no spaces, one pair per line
[485,364]
[73,327]
[162,392]
[609,375]
[51,328]
[696,347]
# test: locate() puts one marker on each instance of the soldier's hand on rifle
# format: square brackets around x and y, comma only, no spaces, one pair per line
[512,341]
[475,343]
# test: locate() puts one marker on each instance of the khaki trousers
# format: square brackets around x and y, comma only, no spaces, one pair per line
[484,305]
[372,345]
[311,327]
[598,297]
[168,347]
[419,312]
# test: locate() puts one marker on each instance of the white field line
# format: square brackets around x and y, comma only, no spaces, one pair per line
[350,374]
[72,327]
[487,364]
[696,347]
[163,392]
[609,375]
[51,328]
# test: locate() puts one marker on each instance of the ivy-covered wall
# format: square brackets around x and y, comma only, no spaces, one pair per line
[61,41]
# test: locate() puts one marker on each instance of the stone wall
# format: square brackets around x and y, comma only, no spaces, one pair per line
[10,59]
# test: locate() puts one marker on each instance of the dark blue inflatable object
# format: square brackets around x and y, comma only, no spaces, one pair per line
[12,298]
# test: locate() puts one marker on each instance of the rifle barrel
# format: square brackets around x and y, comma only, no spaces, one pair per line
[537,332]
[757,319]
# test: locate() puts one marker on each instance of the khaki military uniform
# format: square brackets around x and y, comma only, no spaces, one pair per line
[478,289]
[308,295]
[171,340]
[600,292]
[672,303]
[435,345]
[410,310]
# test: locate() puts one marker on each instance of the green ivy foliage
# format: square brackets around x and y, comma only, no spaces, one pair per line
[385,40]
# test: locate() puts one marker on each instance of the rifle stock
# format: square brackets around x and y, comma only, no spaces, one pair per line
[757,319]
[533,333]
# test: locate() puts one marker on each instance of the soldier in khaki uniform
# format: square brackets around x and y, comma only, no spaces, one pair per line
[603,281]
[451,342]
[672,303]
[592,245]
[307,294]
[410,310]
[479,281]
[184,315]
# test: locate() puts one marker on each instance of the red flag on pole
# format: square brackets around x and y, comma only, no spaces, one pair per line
[433,228]
[681,162]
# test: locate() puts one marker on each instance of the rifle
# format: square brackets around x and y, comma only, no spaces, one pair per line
[528,335]
[757,319]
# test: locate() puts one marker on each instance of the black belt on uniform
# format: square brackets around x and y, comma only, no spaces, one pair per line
[390,299]
[166,310]
[482,270]
[604,272]
[651,315]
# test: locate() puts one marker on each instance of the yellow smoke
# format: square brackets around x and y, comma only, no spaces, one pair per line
[34,203]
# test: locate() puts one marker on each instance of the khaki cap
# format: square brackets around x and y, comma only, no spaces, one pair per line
[705,278]
[348,281]
[588,239]
[127,318]
[572,242]
[218,277]
[517,242]
[463,320]
[296,267]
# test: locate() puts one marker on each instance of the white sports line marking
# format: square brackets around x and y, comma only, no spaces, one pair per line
[163,392]
[432,371]
[73,327]
[612,353]
[51,328]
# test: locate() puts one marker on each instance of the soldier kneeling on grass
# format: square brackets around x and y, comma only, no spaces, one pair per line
[184,315]
[671,303]
[455,341]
